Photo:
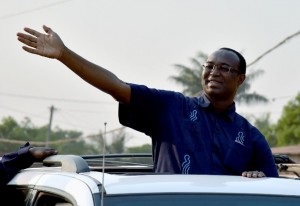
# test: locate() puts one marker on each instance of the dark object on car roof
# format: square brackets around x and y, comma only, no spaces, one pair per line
[280,158]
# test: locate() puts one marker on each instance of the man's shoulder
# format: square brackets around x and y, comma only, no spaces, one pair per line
[248,126]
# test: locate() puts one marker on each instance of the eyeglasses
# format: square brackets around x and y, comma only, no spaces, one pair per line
[222,68]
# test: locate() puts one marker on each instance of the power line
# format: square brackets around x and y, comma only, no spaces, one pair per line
[67,122]
[82,101]
[274,47]
[282,97]
[53,99]
[40,143]
[32,10]
[19,111]
[45,118]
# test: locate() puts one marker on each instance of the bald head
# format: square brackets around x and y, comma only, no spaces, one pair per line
[242,61]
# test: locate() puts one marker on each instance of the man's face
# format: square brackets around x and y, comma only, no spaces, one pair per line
[217,82]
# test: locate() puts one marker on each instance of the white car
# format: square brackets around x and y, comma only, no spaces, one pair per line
[81,182]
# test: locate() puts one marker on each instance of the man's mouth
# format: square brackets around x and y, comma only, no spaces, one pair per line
[214,82]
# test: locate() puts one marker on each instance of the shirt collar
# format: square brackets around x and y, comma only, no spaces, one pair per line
[204,102]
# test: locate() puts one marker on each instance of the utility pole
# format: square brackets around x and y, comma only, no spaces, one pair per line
[49,126]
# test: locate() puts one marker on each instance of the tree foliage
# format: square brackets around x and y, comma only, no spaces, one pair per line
[190,77]
[267,129]
[13,135]
[288,125]
[146,148]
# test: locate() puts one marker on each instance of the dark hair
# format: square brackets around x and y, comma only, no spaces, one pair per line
[242,60]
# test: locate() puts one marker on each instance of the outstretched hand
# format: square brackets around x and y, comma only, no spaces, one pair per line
[47,45]
[40,153]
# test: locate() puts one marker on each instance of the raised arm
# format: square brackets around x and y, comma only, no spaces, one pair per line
[50,45]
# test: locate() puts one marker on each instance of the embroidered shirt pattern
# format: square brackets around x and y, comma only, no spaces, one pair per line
[240,138]
[186,164]
[193,115]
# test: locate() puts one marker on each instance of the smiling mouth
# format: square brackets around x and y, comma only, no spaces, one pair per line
[214,82]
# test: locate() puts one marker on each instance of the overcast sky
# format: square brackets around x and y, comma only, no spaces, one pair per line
[140,41]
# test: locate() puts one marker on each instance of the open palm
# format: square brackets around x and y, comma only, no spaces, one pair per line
[48,45]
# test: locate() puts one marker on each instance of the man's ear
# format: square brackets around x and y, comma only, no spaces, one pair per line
[241,79]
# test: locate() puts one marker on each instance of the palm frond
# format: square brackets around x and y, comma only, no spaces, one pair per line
[250,98]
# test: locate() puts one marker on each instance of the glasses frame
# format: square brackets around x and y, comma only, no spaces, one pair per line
[231,70]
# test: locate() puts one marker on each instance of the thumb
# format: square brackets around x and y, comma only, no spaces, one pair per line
[47,29]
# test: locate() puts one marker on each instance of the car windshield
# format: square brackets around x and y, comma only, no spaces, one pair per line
[201,199]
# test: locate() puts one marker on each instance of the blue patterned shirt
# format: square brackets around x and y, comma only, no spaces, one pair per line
[189,137]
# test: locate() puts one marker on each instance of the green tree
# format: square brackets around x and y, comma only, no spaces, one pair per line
[190,79]
[8,129]
[14,134]
[78,147]
[118,142]
[114,142]
[146,148]
[267,129]
[288,125]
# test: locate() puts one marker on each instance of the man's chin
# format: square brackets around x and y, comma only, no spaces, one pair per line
[212,91]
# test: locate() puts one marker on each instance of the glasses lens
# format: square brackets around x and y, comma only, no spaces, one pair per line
[208,66]
[224,69]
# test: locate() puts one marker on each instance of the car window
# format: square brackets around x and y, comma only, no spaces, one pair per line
[48,199]
[14,196]
[201,199]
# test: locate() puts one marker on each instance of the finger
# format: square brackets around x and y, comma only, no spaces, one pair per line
[32,32]
[41,153]
[24,37]
[249,174]
[31,50]
[47,29]
[50,151]
[244,174]
[46,150]
[261,174]
[255,174]
[28,42]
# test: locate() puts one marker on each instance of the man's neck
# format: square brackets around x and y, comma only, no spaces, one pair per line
[220,104]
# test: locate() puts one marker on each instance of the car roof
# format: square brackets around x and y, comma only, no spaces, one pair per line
[123,183]
[177,183]
[118,184]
